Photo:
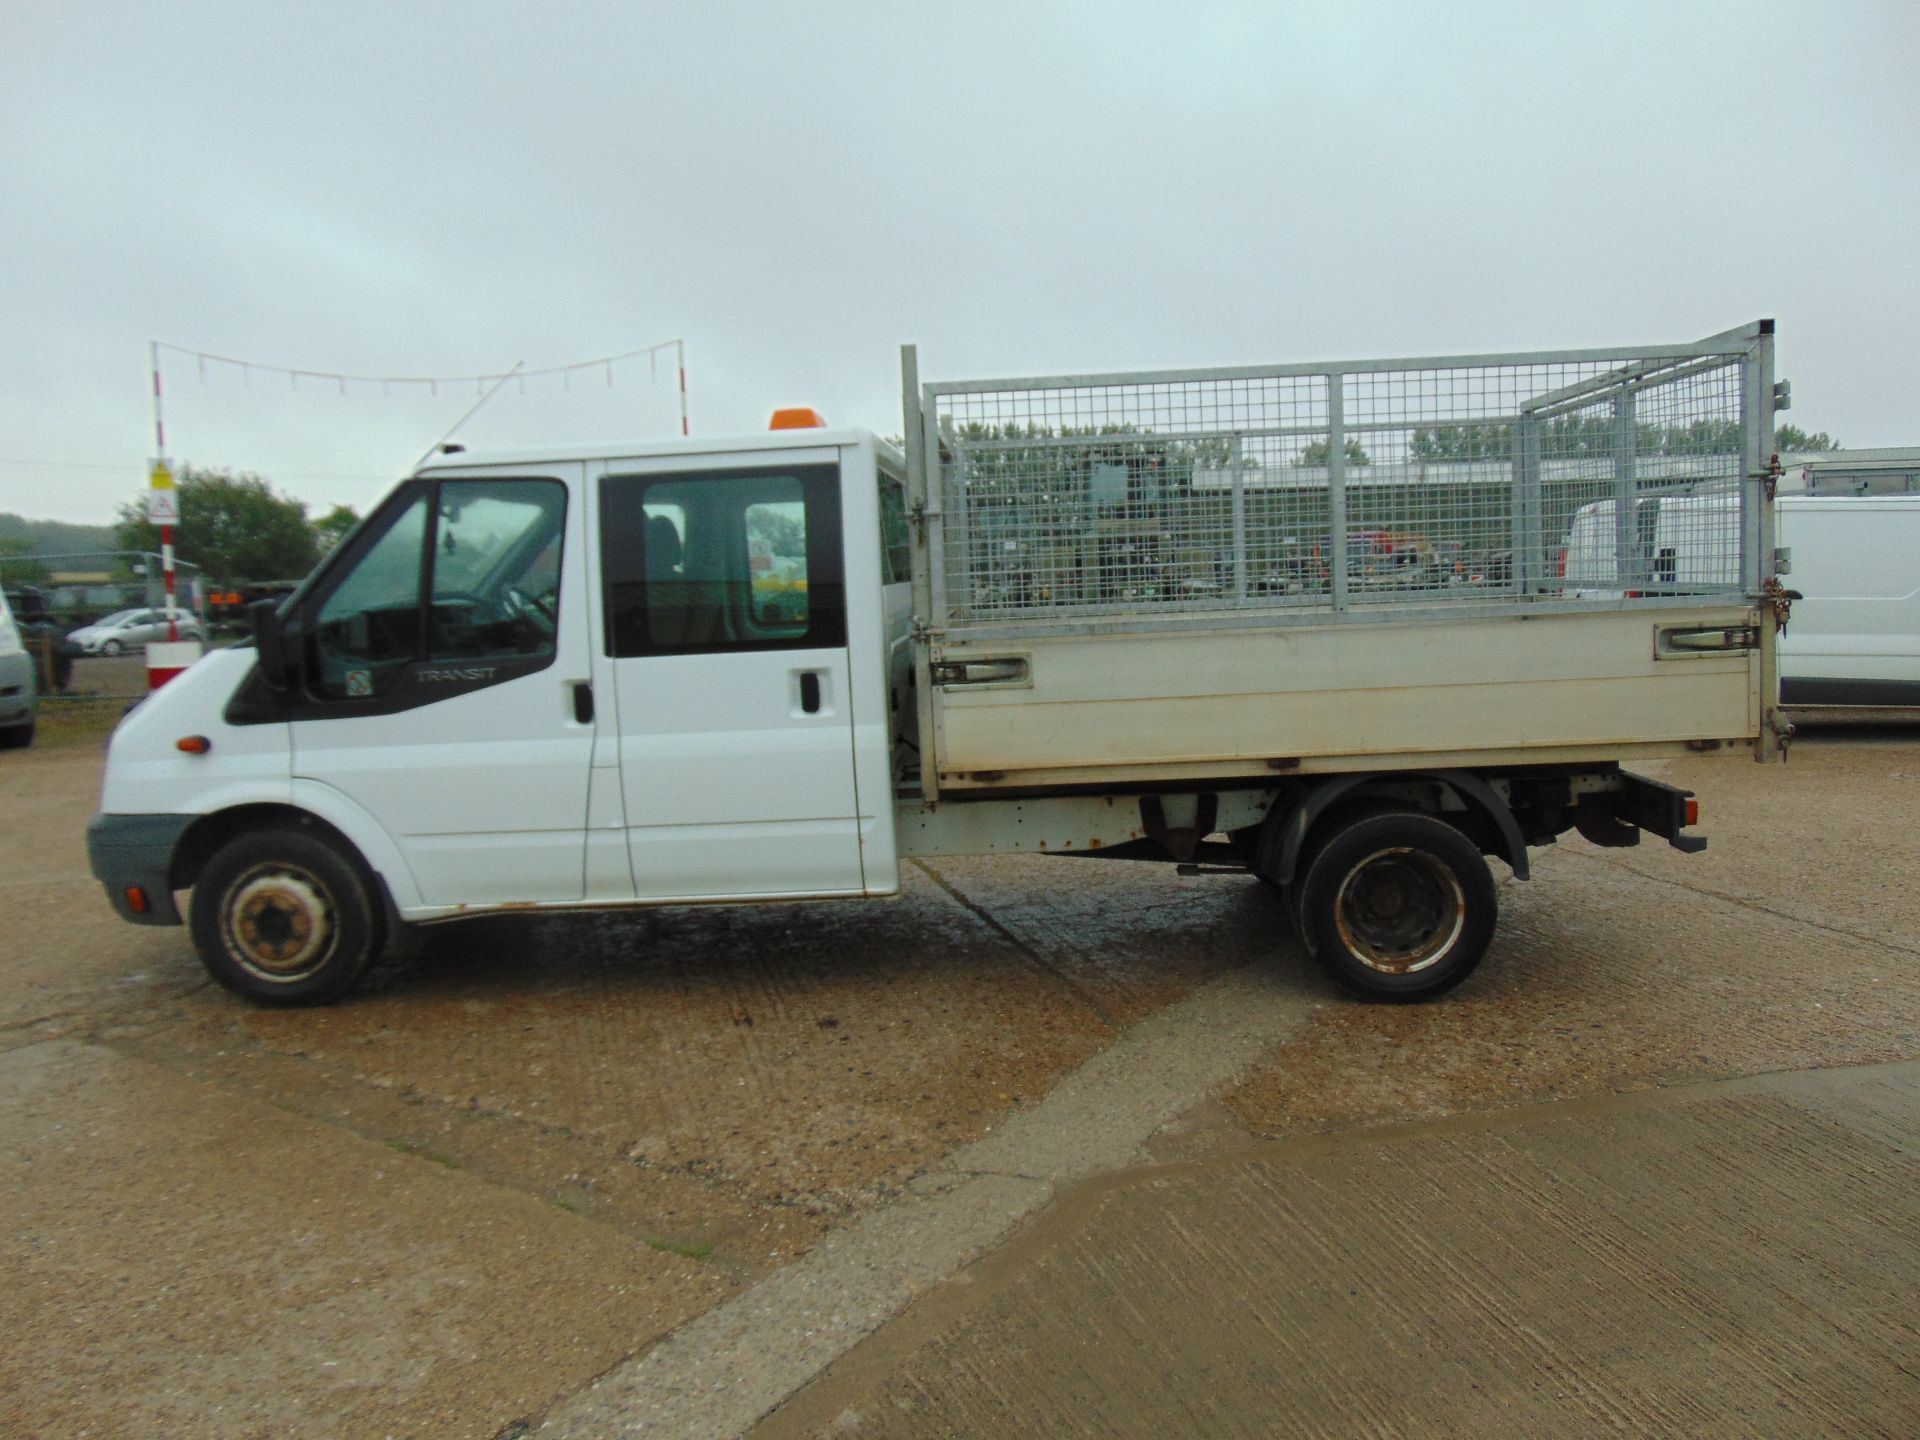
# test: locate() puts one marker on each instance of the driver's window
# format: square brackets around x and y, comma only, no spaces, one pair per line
[496,569]
[491,553]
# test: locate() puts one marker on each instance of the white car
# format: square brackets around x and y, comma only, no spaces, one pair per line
[16,684]
[130,629]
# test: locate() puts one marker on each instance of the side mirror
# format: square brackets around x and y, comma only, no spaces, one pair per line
[269,639]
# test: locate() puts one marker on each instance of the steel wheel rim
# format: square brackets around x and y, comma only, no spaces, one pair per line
[279,923]
[1400,910]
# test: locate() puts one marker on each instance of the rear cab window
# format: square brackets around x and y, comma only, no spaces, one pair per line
[722,560]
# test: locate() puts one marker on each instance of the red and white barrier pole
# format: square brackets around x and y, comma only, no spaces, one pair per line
[680,349]
[165,659]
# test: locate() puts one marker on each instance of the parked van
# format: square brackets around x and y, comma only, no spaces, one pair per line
[1674,543]
[1854,640]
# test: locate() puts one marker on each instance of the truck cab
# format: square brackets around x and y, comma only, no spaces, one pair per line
[556,678]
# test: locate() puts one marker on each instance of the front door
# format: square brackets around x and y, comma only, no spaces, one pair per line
[726,623]
[441,663]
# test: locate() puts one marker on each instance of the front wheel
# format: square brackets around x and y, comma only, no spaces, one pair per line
[1399,906]
[285,917]
[111,647]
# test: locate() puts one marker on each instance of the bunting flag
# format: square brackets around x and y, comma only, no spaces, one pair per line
[207,364]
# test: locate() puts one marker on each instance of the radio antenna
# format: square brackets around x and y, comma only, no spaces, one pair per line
[518,366]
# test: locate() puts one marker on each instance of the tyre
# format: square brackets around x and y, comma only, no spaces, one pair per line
[111,647]
[1399,906]
[285,917]
[17,737]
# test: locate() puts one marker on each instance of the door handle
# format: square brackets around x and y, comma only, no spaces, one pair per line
[583,701]
[810,691]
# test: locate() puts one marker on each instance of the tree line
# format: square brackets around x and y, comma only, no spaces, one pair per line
[1029,464]
[1568,436]
[238,528]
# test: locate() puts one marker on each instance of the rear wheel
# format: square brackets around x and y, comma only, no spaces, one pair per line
[1399,905]
[286,917]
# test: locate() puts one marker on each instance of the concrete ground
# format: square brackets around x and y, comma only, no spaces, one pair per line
[1734,1259]
[1047,1145]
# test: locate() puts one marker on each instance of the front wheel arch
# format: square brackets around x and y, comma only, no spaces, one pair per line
[207,834]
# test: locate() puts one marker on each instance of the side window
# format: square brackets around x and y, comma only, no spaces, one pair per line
[484,554]
[896,540]
[730,560]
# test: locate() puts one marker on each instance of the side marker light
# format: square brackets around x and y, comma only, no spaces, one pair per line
[136,900]
[193,744]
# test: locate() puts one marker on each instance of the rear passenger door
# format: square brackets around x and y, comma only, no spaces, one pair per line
[726,629]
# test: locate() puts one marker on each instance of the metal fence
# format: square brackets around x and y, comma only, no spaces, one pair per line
[86,584]
[54,594]
[1517,480]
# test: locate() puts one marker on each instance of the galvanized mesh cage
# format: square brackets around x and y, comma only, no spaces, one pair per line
[1522,480]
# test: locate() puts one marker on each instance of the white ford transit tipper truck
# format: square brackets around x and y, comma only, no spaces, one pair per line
[1125,616]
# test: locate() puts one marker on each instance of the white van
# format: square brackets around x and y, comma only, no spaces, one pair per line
[1675,543]
[1854,640]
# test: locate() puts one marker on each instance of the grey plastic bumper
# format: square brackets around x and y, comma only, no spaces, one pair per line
[125,850]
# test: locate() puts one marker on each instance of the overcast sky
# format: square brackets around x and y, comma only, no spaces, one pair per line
[794,189]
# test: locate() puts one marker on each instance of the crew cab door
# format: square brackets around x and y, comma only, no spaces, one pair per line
[726,626]
[440,662]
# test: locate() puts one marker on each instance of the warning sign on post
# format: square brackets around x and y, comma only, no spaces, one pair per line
[163,501]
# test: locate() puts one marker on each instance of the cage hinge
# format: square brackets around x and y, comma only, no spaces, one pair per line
[1770,477]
